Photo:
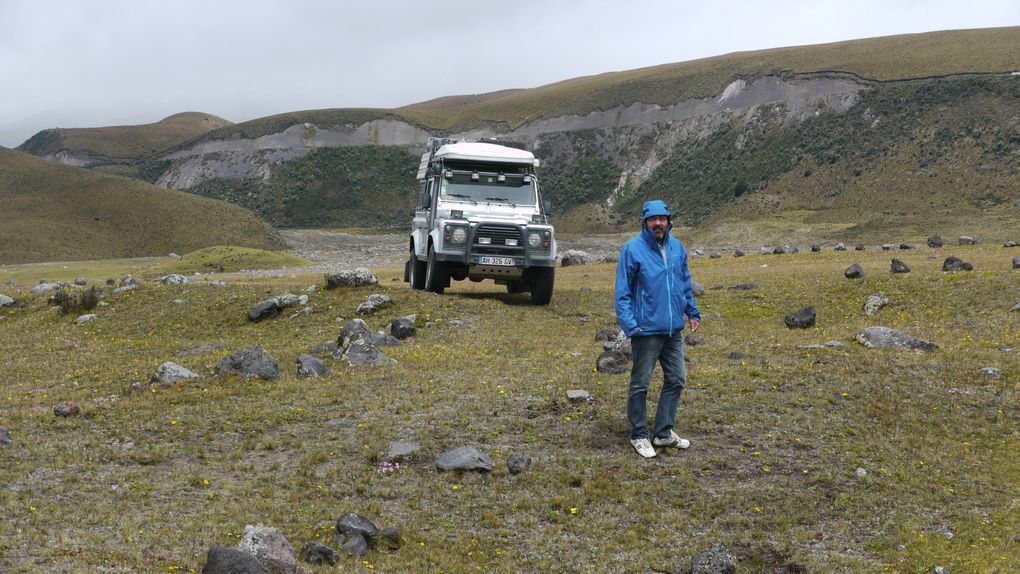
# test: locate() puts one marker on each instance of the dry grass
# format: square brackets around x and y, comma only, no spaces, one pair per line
[148,481]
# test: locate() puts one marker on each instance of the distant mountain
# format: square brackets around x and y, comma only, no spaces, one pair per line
[53,212]
[120,144]
[869,138]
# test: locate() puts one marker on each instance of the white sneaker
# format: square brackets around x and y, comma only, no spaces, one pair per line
[672,440]
[643,447]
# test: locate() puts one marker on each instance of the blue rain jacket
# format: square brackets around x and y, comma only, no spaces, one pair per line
[652,295]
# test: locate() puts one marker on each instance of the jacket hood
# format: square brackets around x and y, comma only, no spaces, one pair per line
[651,209]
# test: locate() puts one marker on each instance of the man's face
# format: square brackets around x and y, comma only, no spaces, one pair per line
[657,224]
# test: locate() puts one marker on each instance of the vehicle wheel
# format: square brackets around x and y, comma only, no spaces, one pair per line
[435,274]
[544,277]
[417,272]
[513,287]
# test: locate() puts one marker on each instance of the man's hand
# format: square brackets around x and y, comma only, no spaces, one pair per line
[694,325]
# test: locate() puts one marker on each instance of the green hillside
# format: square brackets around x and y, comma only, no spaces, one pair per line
[107,144]
[55,212]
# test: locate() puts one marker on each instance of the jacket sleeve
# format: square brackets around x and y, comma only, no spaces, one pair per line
[626,278]
[691,311]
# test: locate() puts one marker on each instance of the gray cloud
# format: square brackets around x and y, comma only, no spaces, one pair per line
[83,63]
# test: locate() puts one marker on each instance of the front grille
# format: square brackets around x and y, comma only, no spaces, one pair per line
[498,234]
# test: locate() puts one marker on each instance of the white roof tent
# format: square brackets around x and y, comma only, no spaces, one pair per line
[475,156]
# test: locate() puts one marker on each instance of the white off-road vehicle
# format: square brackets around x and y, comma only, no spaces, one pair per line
[480,215]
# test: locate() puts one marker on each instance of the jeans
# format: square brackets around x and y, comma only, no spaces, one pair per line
[646,350]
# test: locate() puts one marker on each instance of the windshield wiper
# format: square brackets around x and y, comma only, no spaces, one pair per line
[501,199]
[462,196]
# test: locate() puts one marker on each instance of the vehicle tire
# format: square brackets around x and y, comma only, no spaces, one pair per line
[513,287]
[417,272]
[541,292]
[435,274]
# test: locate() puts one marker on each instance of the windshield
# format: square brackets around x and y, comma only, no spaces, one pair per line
[488,189]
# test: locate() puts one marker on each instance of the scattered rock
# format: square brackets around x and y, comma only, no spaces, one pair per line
[738,253]
[464,458]
[737,356]
[403,327]
[317,553]
[612,362]
[991,373]
[517,463]
[375,302]
[816,248]
[390,536]
[839,247]
[859,247]
[270,547]
[84,318]
[907,246]
[1011,244]
[128,281]
[836,345]
[899,267]
[784,249]
[357,344]
[854,271]
[887,246]
[744,286]
[1015,307]
[359,277]
[715,255]
[885,338]
[223,560]
[5,301]
[694,340]
[940,570]
[217,283]
[578,396]
[716,559]
[174,279]
[860,473]
[44,287]
[801,319]
[355,546]
[249,363]
[66,409]
[169,373]
[966,240]
[612,334]
[351,524]
[935,242]
[874,303]
[576,257]
[956,264]
[309,366]
[697,289]
[401,450]
[1016,262]
[5,437]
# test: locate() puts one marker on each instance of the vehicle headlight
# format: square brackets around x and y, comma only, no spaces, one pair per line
[455,234]
[534,239]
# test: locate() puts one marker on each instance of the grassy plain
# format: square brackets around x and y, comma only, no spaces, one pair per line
[148,480]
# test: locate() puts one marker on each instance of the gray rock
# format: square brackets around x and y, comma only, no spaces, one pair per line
[174,279]
[84,318]
[249,363]
[956,264]
[359,277]
[859,247]
[578,396]
[887,246]
[576,257]
[854,271]
[816,248]
[879,337]
[967,240]
[860,472]
[940,570]
[612,334]
[935,241]
[697,289]
[784,249]
[464,458]
[355,546]
[351,524]
[318,553]
[715,255]
[66,409]
[1011,244]
[716,559]
[401,450]
[402,328]
[694,340]
[736,355]
[907,246]
[309,366]
[738,253]
[744,286]
[801,319]
[128,281]
[44,287]
[1016,262]
[390,537]
[125,288]
[1015,307]
[375,302]
[357,344]
[270,547]
[80,281]
[874,303]
[217,283]
[991,373]
[836,345]
[612,363]
[169,373]
[5,437]
[223,560]
[839,247]
[5,301]
[898,266]
[517,463]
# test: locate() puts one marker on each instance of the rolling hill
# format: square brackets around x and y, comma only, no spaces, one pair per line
[54,212]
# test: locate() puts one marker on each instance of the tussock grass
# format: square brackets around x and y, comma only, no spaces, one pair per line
[157,477]
[56,212]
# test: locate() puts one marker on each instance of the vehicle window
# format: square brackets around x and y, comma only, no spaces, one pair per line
[488,189]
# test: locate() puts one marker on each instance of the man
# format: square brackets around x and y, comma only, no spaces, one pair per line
[653,293]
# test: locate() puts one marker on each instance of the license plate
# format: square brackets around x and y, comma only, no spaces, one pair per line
[502,261]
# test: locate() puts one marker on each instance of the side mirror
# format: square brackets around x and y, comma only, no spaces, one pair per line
[546,206]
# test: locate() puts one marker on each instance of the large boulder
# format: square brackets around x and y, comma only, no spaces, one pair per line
[898,266]
[357,344]
[464,458]
[403,327]
[270,547]
[879,337]
[855,271]
[5,300]
[956,264]
[350,524]
[359,277]
[169,373]
[935,241]
[249,363]
[223,560]
[801,319]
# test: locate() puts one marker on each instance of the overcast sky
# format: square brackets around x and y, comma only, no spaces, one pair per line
[86,63]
